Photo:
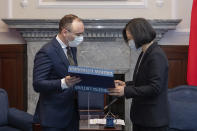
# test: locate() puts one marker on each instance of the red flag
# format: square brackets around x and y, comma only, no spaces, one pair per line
[192,54]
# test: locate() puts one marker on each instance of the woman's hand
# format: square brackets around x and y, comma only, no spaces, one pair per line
[119,88]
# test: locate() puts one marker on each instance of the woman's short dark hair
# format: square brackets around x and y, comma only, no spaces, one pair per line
[141,30]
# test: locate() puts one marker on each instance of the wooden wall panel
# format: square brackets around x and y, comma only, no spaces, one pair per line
[177,58]
[13,74]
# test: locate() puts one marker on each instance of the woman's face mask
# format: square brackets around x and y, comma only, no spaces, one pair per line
[131,44]
[76,41]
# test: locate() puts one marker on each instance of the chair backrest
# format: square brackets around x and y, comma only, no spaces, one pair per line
[94,102]
[3,107]
[183,107]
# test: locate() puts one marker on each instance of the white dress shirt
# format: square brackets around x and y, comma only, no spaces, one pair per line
[63,82]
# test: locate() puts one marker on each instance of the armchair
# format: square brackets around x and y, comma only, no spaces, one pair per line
[183,108]
[12,119]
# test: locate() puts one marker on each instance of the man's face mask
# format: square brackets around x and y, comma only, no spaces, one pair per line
[76,41]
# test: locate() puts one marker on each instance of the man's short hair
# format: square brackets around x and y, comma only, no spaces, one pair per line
[141,30]
[67,21]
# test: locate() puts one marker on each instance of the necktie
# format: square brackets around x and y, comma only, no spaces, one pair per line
[72,63]
[70,57]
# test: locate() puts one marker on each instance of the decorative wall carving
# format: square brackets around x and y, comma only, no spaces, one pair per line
[160,3]
[24,3]
[95,30]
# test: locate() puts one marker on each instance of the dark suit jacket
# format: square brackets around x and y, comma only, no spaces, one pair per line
[56,107]
[149,89]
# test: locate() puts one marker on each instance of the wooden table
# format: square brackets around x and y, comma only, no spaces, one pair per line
[85,127]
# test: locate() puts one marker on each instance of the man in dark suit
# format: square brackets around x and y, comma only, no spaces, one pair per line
[149,108]
[57,107]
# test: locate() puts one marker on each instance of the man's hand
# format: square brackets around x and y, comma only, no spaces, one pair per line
[71,81]
[119,88]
